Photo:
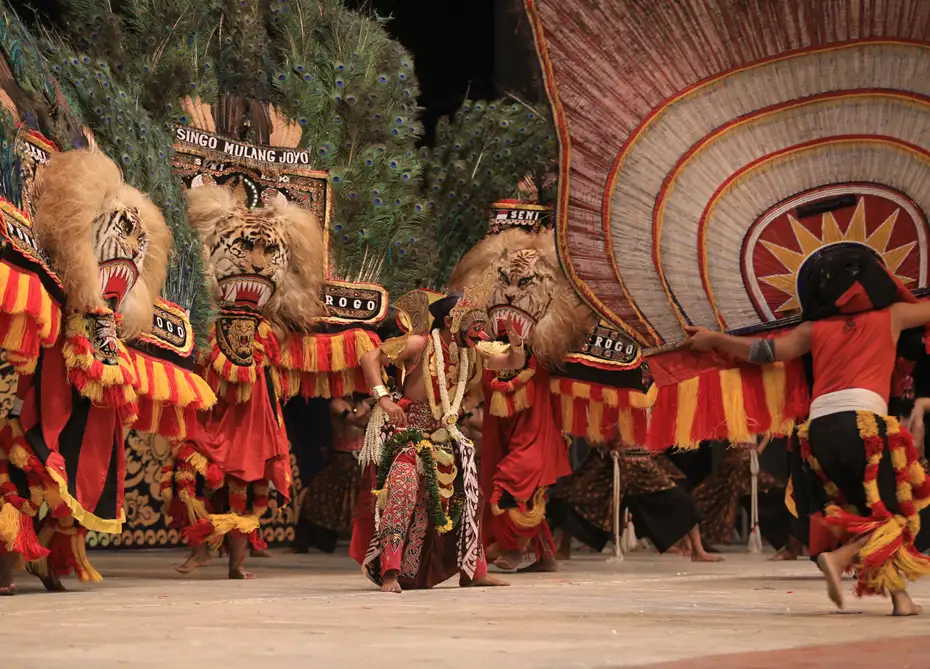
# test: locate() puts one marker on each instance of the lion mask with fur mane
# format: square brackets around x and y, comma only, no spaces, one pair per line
[107,242]
[268,259]
[530,290]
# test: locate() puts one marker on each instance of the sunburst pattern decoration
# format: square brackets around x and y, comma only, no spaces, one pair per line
[779,242]
[715,112]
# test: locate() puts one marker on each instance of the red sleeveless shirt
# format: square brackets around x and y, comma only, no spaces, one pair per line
[854,351]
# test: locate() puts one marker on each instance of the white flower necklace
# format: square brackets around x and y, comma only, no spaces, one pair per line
[450,412]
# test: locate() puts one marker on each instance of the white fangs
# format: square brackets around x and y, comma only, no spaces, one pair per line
[257,290]
[117,270]
[523,323]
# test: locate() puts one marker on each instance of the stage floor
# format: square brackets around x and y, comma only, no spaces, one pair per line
[312,611]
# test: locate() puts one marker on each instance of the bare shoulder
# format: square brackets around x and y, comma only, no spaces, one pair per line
[416,343]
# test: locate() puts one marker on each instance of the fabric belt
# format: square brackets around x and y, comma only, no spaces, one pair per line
[851,399]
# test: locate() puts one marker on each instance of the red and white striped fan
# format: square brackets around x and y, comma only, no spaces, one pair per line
[708,146]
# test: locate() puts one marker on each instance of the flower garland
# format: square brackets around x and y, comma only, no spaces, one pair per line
[450,411]
[424,450]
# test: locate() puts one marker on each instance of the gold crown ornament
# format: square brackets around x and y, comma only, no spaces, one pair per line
[472,307]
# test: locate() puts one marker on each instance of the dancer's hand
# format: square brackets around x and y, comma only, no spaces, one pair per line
[395,414]
[700,339]
[916,422]
[513,335]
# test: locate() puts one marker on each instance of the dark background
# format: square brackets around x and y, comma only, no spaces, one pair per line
[479,48]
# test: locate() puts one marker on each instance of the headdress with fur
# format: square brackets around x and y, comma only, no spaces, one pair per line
[296,302]
[566,320]
[77,191]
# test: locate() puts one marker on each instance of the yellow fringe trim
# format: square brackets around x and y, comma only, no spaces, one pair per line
[9,525]
[225,523]
[84,517]
[644,401]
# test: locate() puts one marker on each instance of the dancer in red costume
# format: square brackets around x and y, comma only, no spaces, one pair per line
[267,264]
[524,452]
[869,481]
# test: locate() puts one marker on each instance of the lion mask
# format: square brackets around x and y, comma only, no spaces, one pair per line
[268,259]
[107,242]
[530,290]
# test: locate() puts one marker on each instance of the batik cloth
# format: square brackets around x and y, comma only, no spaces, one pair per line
[421,506]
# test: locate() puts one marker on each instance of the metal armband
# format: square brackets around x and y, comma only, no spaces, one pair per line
[762,351]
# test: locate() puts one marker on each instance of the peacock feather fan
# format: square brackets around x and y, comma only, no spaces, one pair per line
[481,155]
[27,82]
[163,46]
[353,91]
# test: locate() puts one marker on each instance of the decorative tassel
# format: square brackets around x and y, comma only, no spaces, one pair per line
[67,553]
[18,535]
[755,535]
[629,542]
[617,499]
[107,385]
[212,529]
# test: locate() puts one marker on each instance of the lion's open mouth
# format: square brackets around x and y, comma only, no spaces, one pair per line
[523,323]
[117,277]
[246,290]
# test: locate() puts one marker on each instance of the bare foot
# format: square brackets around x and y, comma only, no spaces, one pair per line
[486,581]
[509,560]
[904,605]
[236,545]
[390,584]
[259,553]
[199,557]
[792,551]
[51,582]
[7,562]
[704,556]
[827,564]
[546,564]
[784,556]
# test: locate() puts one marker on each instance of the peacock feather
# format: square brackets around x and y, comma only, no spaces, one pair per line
[353,91]
[162,46]
[349,86]
[482,154]
[109,103]
[10,174]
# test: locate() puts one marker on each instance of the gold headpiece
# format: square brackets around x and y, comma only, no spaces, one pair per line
[413,315]
[473,304]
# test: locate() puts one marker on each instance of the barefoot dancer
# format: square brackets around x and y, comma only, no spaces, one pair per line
[855,311]
[427,497]
[662,509]
[331,495]
[264,262]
